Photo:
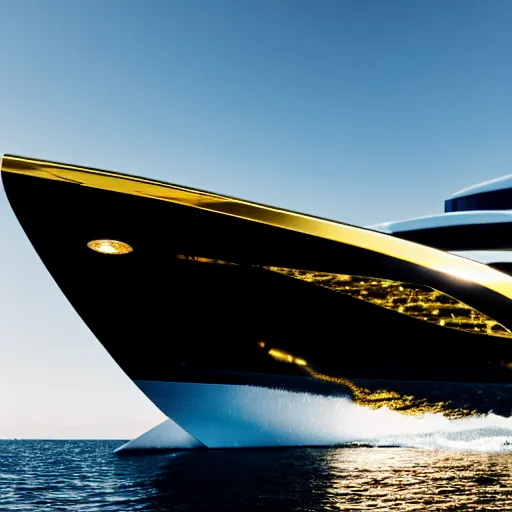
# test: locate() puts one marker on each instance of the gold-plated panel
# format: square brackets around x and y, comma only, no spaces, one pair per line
[375,399]
[418,301]
[358,237]
[105,246]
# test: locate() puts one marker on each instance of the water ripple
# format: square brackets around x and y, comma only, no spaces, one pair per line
[85,476]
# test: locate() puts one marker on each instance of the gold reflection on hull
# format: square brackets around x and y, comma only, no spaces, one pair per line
[406,404]
[418,301]
[286,358]
[104,246]
[200,259]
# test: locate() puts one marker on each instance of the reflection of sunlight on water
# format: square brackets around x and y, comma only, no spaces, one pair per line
[419,480]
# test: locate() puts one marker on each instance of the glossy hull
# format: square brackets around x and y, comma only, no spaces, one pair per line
[223,311]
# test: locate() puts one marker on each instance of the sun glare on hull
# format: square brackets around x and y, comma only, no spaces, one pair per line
[105,246]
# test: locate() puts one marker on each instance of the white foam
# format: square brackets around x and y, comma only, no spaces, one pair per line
[384,427]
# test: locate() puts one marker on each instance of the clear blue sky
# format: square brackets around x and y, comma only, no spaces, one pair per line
[358,110]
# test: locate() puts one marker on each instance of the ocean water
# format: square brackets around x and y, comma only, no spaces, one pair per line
[87,476]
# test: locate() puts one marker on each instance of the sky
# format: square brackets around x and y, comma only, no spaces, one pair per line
[362,111]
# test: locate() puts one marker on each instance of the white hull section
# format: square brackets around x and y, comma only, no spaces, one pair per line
[165,436]
[229,416]
[232,416]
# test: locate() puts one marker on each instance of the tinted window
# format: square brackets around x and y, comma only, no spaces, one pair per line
[494,200]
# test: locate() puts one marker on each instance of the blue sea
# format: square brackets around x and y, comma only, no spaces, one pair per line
[87,476]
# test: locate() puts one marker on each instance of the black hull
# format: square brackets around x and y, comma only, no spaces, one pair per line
[209,295]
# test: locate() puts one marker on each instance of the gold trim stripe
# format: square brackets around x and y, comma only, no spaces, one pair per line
[363,238]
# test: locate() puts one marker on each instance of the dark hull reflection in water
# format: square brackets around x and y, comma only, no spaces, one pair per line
[85,476]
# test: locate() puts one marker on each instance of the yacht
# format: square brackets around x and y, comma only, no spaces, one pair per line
[244,323]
